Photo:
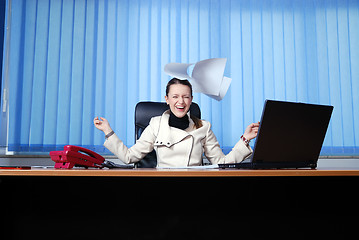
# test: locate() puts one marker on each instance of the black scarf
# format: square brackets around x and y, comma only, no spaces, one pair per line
[181,123]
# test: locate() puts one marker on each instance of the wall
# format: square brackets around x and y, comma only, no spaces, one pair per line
[73,60]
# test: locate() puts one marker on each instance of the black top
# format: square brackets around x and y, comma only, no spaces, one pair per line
[181,123]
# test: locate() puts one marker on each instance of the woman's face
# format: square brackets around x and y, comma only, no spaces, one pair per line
[179,99]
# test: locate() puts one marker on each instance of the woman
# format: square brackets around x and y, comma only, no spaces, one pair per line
[178,138]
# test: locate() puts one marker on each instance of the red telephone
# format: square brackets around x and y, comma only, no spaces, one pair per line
[71,156]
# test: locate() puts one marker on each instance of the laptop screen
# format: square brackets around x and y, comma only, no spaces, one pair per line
[291,132]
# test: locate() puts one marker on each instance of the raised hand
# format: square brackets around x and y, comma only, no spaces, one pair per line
[102,124]
[251,131]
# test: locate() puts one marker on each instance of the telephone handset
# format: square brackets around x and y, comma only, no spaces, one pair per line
[76,156]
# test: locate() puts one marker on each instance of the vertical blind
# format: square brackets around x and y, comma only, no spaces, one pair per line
[67,61]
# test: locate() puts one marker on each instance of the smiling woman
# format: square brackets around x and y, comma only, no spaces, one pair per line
[179,96]
[179,139]
[179,100]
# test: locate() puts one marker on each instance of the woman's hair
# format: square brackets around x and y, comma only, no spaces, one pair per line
[197,121]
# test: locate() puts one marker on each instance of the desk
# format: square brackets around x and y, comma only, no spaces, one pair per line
[180,172]
[178,204]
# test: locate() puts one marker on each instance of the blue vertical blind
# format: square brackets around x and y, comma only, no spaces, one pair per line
[68,61]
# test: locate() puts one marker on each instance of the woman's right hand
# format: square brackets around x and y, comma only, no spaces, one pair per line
[102,125]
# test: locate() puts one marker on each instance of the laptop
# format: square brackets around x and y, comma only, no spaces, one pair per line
[290,136]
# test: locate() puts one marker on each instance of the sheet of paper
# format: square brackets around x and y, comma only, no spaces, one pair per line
[214,166]
[177,70]
[206,76]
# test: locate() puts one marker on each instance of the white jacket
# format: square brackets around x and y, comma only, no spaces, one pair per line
[175,147]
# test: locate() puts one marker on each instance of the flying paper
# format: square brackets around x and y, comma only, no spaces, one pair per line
[206,76]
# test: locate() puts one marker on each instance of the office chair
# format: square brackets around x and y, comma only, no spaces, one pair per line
[144,111]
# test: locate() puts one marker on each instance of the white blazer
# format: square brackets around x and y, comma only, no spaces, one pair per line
[175,147]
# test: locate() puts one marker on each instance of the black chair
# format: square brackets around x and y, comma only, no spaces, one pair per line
[144,111]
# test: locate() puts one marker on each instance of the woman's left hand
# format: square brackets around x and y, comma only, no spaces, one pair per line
[251,131]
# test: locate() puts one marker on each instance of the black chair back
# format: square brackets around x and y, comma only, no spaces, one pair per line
[144,111]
